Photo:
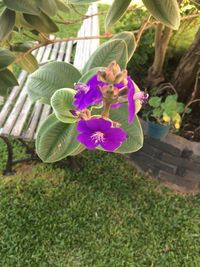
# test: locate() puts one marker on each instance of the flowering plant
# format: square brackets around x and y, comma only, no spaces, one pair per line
[93,109]
[167,111]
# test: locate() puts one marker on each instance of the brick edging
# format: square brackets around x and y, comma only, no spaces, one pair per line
[174,159]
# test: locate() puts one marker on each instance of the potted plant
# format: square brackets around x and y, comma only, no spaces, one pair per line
[165,113]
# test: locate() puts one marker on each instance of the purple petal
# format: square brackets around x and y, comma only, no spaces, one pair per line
[94,96]
[98,125]
[79,100]
[87,95]
[82,127]
[94,83]
[110,145]
[86,140]
[131,102]
[115,134]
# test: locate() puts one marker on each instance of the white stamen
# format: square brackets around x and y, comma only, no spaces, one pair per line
[98,137]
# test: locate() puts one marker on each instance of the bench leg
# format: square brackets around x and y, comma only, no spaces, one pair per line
[9,163]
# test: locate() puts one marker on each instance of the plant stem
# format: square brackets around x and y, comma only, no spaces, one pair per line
[106,110]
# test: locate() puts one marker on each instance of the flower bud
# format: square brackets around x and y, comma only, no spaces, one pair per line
[114,67]
[121,77]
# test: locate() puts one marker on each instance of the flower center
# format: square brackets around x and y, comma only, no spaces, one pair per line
[98,137]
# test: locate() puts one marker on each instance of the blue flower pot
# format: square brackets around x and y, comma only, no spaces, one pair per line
[157,131]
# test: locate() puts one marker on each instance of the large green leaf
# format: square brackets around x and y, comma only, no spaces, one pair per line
[86,76]
[49,7]
[6,58]
[7,22]
[25,6]
[41,23]
[106,53]
[7,79]
[61,102]
[62,6]
[135,135]
[129,38]
[21,22]
[167,11]
[49,78]
[56,140]
[115,12]
[28,62]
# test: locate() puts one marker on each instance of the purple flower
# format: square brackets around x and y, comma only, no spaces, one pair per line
[131,102]
[99,132]
[86,96]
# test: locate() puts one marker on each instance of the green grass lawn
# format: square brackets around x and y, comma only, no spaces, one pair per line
[102,213]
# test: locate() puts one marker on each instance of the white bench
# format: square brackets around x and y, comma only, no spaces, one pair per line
[19,118]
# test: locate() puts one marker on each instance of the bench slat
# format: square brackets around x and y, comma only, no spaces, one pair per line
[62,51]
[16,131]
[95,29]
[68,51]
[54,52]
[85,48]
[19,103]
[10,101]
[36,114]
[45,113]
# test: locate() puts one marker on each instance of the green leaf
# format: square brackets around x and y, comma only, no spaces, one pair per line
[21,22]
[62,6]
[85,78]
[41,23]
[7,79]
[129,38]
[61,102]
[134,131]
[7,22]
[170,112]
[49,7]
[157,112]
[56,140]
[6,58]
[22,47]
[166,11]
[25,6]
[180,107]
[115,12]
[28,62]
[155,101]
[171,98]
[106,53]
[49,78]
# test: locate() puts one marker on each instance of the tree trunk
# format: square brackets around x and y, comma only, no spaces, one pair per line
[162,38]
[185,75]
